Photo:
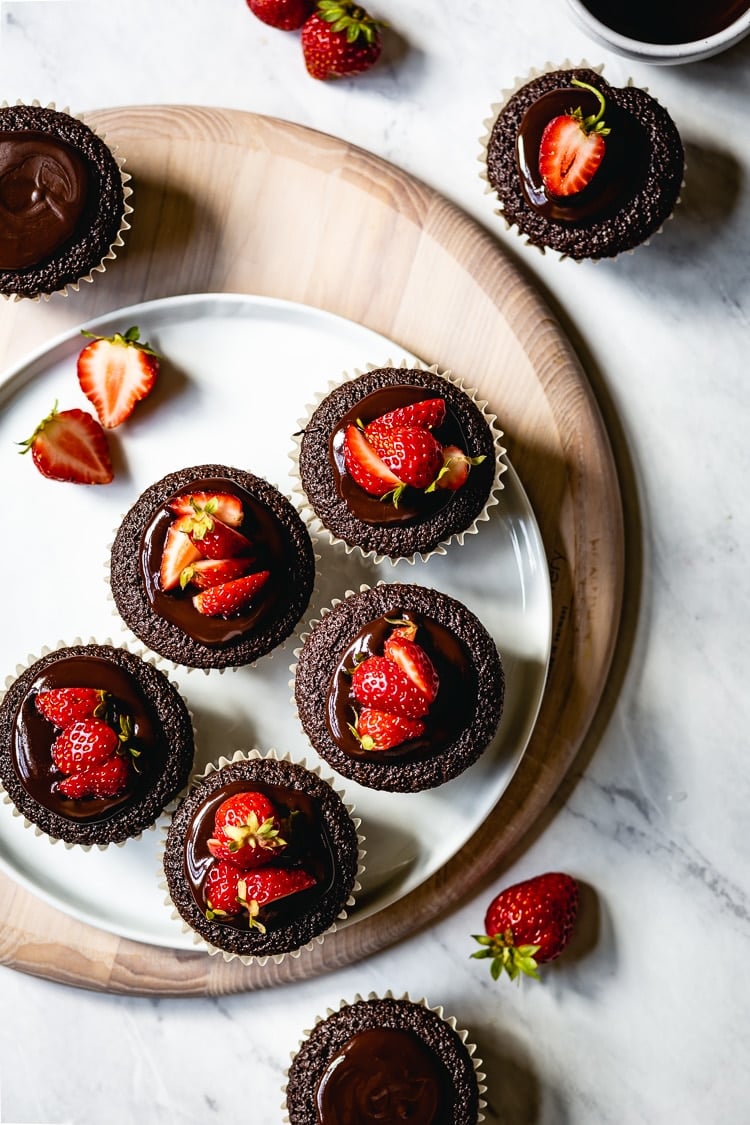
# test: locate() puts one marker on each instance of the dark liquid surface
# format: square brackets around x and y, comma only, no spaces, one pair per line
[667,21]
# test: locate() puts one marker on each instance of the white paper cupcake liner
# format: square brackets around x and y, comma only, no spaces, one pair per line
[118,240]
[484,140]
[276,958]
[439,1011]
[134,650]
[318,529]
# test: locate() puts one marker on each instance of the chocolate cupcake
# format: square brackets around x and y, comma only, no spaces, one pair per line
[385,1059]
[94,743]
[63,201]
[261,858]
[399,687]
[212,567]
[397,462]
[581,167]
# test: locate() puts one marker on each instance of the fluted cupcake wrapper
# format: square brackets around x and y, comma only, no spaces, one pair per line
[404,998]
[117,241]
[305,505]
[136,651]
[495,110]
[201,942]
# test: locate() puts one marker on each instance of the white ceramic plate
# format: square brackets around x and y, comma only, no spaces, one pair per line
[238,374]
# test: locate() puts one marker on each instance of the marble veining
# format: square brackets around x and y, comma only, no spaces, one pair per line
[644,1021]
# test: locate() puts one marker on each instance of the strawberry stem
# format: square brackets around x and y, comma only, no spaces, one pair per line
[594,123]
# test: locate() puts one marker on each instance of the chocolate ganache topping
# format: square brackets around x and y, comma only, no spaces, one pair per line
[43,194]
[618,177]
[308,845]
[384,1075]
[413,504]
[33,736]
[449,712]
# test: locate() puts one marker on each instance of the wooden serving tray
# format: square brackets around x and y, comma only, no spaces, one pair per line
[226,201]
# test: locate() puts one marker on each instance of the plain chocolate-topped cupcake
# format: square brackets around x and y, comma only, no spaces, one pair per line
[261,858]
[398,461]
[581,167]
[63,201]
[212,567]
[399,687]
[94,743]
[385,1059]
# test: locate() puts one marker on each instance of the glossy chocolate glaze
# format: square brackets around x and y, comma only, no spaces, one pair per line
[308,846]
[621,171]
[413,504]
[384,1075]
[449,713]
[262,528]
[43,191]
[33,736]
[664,21]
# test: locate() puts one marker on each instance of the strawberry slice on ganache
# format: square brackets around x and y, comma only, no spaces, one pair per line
[573,146]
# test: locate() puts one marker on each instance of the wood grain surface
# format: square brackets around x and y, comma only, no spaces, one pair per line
[226,201]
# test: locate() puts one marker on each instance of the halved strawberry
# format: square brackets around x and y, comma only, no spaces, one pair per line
[66,705]
[214,539]
[427,414]
[116,372]
[70,445]
[381,684]
[212,572]
[107,780]
[381,730]
[572,147]
[179,552]
[229,598]
[455,469]
[412,453]
[267,884]
[414,661]
[365,467]
[223,505]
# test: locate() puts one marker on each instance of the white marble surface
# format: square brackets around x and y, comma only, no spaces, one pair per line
[645,1023]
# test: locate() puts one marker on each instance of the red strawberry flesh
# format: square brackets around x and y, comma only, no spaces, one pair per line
[230,598]
[572,147]
[365,467]
[428,413]
[380,730]
[415,663]
[410,452]
[379,683]
[223,505]
[178,553]
[70,445]
[109,779]
[66,705]
[116,372]
[85,743]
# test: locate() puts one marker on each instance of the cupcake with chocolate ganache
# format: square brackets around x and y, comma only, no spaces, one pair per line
[94,743]
[261,858]
[397,462]
[399,687]
[581,167]
[212,567]
[385,1059]
[63,201]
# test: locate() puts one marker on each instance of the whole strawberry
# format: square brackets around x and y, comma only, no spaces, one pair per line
[286,15]
[528,924]
[340,39]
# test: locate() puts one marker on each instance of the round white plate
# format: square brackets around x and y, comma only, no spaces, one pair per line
[238,372]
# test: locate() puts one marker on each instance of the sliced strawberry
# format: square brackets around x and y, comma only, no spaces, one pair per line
[83,744]
[572,148]
[414,661]
[365,467]
[229,598]
[247,831]
[110,779]
[428,414]
[116,372]
[381,684]
[269,883]
[63,706]
[455,469]
[179,552]
[223,505]
[381,730]
[70,445]
[214,539]
[220,890]
[412,453]
[212,572]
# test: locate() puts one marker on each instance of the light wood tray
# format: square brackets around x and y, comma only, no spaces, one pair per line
[226,201]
